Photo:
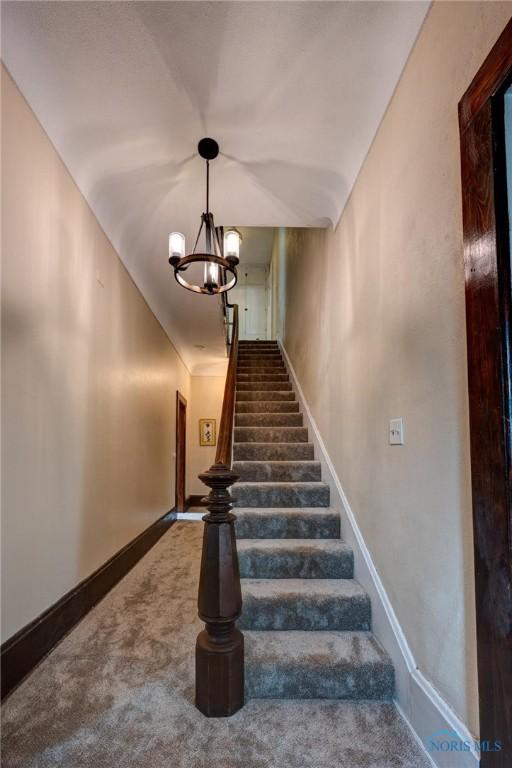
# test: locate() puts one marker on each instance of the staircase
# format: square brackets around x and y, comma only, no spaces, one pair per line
[306,621]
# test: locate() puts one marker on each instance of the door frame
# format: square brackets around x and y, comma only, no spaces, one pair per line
[181,454]
[489,328]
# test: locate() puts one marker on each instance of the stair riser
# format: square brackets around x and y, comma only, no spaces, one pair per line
[248,364]
[268,420]
[263,371]
[259,362]
[340,681]
[269,496]
[260,355]
[311,613]
[245,378]
[264,395]
[260,386]
[267,406]
[298,526]
[273,452]
[270,435]
[278,471]
[262,351]
[257,564]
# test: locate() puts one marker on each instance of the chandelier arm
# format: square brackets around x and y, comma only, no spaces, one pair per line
[209,224]
[198,234]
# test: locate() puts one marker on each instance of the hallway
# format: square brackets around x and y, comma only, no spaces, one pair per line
[119,691]
[260,252]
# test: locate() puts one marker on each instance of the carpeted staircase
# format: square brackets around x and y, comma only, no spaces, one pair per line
[306,621]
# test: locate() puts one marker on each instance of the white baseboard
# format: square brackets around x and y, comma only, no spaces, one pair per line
[420,704]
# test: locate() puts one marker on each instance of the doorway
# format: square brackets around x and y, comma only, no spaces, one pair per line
[483,136]
[181,441]
[251,296]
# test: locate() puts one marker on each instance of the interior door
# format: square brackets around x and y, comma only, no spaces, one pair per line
[181,440]
[251,296]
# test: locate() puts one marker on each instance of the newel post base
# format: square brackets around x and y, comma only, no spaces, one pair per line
[220,646]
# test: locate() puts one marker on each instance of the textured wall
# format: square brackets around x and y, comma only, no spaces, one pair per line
[374,324]
[89,383]
[207,393]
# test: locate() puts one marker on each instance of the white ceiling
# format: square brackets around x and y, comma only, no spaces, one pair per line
[293,92]
[257,244]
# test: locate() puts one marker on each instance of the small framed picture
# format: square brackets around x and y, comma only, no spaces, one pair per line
[207,432]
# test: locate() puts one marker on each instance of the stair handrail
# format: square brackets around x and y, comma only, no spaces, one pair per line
[223,454]
[220,646]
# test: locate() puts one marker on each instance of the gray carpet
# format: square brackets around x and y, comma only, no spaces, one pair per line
[307,622]
[118,693]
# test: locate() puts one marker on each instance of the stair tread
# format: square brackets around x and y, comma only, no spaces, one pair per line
[286,511]
[301,647]
[281,462]
[303,546]
[281,484]
[297,588]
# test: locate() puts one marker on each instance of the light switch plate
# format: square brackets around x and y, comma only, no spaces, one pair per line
[396,432]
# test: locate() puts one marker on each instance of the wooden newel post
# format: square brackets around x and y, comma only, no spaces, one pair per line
[220,646]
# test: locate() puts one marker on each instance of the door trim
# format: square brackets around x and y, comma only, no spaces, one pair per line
[488,320]
[181,455]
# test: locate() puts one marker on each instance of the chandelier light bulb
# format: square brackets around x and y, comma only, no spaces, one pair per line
[232,241]
[211,275]
[176,245]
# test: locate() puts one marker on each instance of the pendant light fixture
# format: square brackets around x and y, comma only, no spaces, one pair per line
[219,272]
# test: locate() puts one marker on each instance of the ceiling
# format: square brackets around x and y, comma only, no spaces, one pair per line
[257,244]
[292,91]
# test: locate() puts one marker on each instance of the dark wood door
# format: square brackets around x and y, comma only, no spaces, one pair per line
[489,327]
[181,452]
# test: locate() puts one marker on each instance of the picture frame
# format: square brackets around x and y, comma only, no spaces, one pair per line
[207,432]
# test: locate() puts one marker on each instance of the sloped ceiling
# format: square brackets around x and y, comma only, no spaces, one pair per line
[292,91]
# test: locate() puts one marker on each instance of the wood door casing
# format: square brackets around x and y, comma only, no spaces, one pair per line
[489,326]
[181,451]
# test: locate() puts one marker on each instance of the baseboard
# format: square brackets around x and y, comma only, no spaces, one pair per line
[24,650]
[196,500]
[422,706]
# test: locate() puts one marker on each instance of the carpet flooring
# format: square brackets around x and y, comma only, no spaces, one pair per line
[118,692]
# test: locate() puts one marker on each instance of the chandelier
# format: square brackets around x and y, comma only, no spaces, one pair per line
[221,253]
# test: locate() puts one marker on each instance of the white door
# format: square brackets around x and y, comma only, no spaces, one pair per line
[251,296]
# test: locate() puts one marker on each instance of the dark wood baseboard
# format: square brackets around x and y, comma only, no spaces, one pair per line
[24,650]
[195,501]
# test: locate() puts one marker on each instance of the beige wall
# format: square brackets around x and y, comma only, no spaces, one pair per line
[373,321]
[89,383]
[207,393]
